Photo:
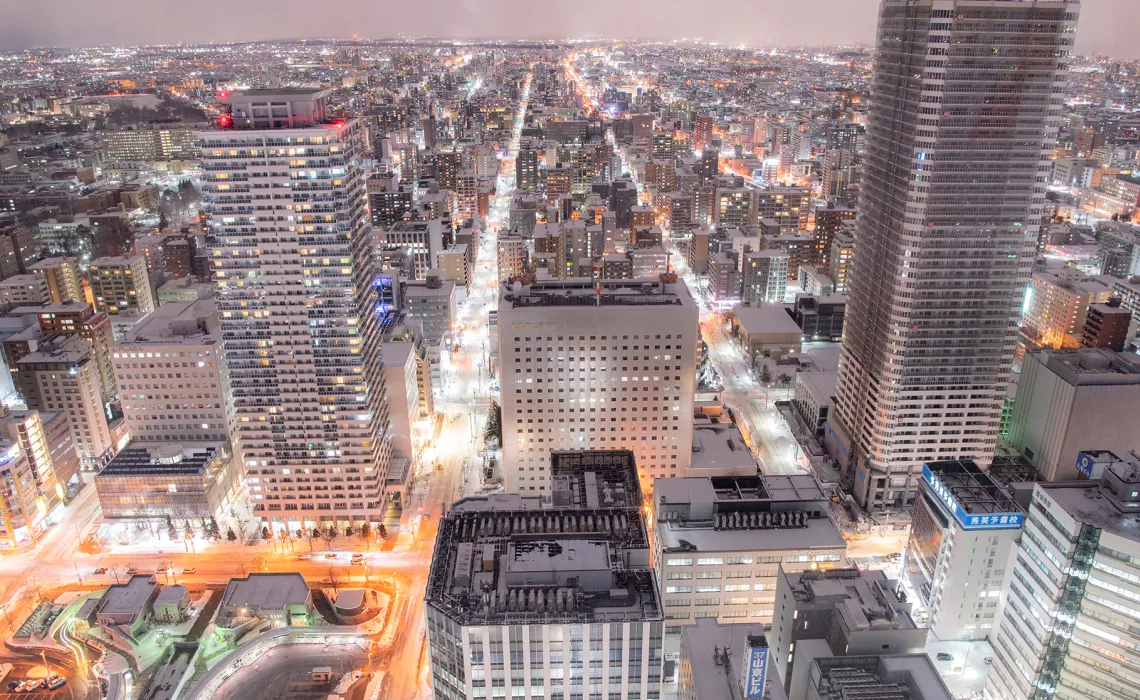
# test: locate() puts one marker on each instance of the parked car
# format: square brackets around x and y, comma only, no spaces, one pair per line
[55,682]
[989,660]
[12,685]
[330,555]
[943,656]
[132,570]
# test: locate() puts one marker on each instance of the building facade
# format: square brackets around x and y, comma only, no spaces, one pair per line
[940,282]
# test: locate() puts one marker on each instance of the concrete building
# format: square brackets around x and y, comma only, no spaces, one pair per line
[963,529]
[1106,326]
[159,143]
[847,611]
[277,596]
[79,318]
[813,400]
[21,290]
[764,276]
[128,607]
[1068,605]
[66,378]
[950,267]
[814,281]
[719,447]
[765,331]
[62,278]
[431,301]
[388,199]
[820,318]
[425,239]
[180,481]
[726,662]
[611,367]
[176,349]
[454,265]
[721,540]
[1072,401]
[402,383]
[320,359]
[1057,304]
[840,262]
[559,595]
[511,256]
[37,466]
[120,285]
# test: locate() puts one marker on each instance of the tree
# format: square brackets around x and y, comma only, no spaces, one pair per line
[231,535]
[265,533]
[215,531]
[765,374]
[381,531]
[170,529]
[328,536]
[784,379]
[366,534]
[494,429]
[334,581]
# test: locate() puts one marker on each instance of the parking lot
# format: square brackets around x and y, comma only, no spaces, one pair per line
[36,695]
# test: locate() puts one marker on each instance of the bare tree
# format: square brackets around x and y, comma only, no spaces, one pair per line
[328,536]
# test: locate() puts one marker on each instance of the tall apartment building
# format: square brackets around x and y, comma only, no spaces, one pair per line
[526,170]
[424,239]
[1106,326]
[840,261]
[940,282]
[548,601]
[32,480]
[120,285]
[62,278]
[66,376]
[81,319]
[764,276]
[607,367]
[304,384]
[1068,609]
[733,208]
[512,258]
[168,375]
[721,541]
[963,529]
[790,207]
[388,199]
[828,222]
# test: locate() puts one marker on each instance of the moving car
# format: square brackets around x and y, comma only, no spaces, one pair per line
[190,570]
[132,570]
[357,558]
[100,571]
[943,656]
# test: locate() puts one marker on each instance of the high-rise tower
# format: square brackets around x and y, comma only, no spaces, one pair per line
[966,99]
[287,210]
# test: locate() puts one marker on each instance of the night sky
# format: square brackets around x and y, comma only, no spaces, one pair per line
[1107,26]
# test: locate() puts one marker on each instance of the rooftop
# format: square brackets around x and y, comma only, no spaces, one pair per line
[509,559]
[309,92]
[161,459]
[865,600]
[176,322]
[1089,366]
[713,679]
[720,447]
[580,291]
[266,591]
[129,597]
[894,677]
[972,488]
[766,319]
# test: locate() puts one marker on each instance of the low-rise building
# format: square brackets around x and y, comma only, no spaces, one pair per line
[766,331]
[813,400]
[129,606]
[820,318]
[20,290]
[283,597]
[910,676]
[120,284]
[175,481]
[172,604]
[726,662]
[850,612]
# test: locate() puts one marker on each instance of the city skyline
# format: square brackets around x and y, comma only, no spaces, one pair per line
[70,23]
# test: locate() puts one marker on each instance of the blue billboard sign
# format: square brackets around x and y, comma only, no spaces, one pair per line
[968,521]
[1085,464]
[754,673]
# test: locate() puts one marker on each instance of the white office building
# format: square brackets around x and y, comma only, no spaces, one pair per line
[720,543]
[532,600]
[168,377]
[285,200]
[963,529]
[1070,607]
[588,368]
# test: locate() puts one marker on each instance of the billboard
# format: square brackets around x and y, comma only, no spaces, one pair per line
[755,670]
[968,521]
